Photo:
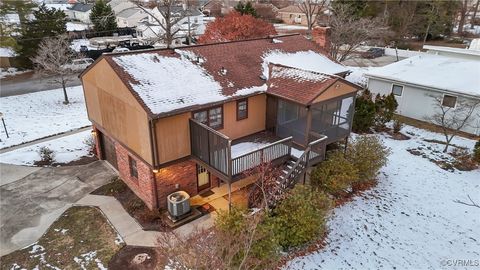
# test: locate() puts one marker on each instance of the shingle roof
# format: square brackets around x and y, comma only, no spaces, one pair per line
[81,7]
[232,69]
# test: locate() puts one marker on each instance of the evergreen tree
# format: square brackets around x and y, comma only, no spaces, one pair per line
[46,23]
[364,116]
[103,18]
[7,29]
[246,9]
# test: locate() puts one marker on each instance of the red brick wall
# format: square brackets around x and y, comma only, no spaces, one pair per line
[143,186]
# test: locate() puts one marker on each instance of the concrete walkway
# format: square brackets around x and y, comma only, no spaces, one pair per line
[131,232]
[28,206]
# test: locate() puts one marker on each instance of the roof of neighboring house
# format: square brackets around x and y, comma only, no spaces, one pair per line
[81,7]
[459,51]
[436,72]
[206,74]
[126,13]
[301,86]
[293,9]
[179,10]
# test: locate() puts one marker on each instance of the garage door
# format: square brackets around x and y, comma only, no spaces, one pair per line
[108,151]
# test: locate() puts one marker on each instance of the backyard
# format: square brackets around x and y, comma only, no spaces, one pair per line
[410,220]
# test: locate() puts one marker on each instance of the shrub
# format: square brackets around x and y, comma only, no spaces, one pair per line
[476,152]
[300,217]
[364,116]
[91,144]
[47,156]
[464,161]
[397,125]
[335,174]
[385,107]
[368,155]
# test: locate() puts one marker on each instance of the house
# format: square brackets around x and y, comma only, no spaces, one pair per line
[130,17]
[417,81]
[79,12]
[151,30]
[453,52]
[120,5]
[172,119]
[293,14]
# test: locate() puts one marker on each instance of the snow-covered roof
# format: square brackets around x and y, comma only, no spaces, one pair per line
[451,50]
[73,26]
[306,60]
[435,72]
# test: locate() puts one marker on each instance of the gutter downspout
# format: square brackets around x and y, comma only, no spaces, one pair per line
[153,148]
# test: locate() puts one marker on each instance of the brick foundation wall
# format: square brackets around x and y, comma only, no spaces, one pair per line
[143,186]
[98,150]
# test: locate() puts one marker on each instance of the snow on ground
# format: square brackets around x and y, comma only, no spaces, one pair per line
[5,72]
[75,26]
[36,115]
[409,221]
[66,149]
[466,28]
[77,43]
[281,26]
[7,52]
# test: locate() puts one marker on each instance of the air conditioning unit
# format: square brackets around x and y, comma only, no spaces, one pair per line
[178,204]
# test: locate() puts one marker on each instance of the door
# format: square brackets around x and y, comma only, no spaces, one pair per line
[203,178]
[108,150]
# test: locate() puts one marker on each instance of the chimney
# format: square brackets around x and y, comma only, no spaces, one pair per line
[321,36]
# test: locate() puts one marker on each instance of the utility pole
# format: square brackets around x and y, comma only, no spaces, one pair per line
[186,8]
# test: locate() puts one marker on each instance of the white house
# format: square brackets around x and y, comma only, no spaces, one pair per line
[120,5]
[453,52]
[130,17]
[416,82]
[151,29]
[80,12]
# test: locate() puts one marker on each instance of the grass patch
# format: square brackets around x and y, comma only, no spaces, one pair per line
[80,238]
[148,219]
[430,127]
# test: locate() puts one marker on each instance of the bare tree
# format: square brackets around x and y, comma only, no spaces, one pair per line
[463,14]
[471,203]
[349,33]
[53,57]
[311,9]
[261,194]
[170,15]
[474,15]
[452,118]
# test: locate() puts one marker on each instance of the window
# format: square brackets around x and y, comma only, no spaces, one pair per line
[397,90]
[133,167]
[212,117]
[449,101]
[242,109]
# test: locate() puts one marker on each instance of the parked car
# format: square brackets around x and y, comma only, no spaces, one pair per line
[373,53]
[79,64]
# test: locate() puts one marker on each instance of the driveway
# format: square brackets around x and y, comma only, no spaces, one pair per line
[28,206]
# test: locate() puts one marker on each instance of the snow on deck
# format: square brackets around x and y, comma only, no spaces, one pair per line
[189,84]
[37,115]
[441,72]
[409,221]
[306,60]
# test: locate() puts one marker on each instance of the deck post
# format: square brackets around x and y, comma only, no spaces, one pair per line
[346,144]
[229,196]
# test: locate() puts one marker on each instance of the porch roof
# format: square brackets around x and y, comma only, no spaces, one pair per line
[298,85]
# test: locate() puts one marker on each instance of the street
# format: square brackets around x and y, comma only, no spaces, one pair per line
[32,82]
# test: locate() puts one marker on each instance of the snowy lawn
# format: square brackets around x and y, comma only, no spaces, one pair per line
[409,221]
[6,72]
[41,114]
[66,149]
[80,239]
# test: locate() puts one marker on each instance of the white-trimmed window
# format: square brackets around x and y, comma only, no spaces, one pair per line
[397,90]
[449,101]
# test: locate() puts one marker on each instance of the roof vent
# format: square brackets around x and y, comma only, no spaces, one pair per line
[223,71]
[263,77]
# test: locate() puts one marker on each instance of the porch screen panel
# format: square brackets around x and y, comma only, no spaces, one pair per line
[291,121]
[333,118]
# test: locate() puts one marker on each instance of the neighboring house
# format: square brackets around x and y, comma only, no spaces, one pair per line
[416,82]
[151,30]
[294,15]
[79,12]
[171,119]
[212,8]
[130,17]
[453,52]
[120,5]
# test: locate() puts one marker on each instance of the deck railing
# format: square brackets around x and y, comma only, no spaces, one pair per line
[265,154]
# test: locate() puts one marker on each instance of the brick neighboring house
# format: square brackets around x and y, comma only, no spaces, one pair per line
[169,119]
[294,15]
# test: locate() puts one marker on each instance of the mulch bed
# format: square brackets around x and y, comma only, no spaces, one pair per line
[148,219]
[81,161]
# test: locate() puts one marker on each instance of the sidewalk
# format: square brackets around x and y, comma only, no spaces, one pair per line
[131,232]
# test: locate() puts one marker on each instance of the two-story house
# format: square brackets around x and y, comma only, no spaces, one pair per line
[169,119]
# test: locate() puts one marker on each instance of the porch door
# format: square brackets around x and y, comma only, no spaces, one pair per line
[203,178]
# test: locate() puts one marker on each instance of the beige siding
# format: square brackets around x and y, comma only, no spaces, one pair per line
[335,90]
[111,105]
